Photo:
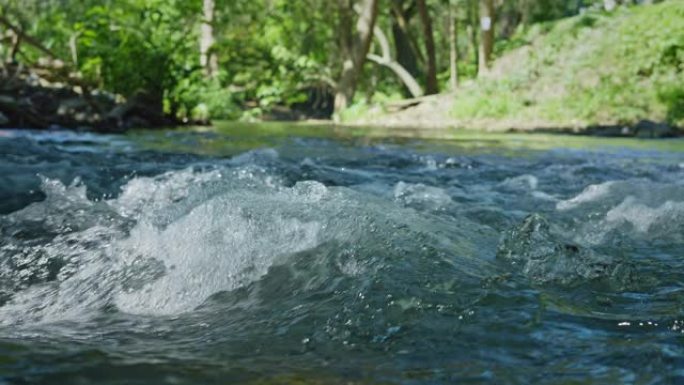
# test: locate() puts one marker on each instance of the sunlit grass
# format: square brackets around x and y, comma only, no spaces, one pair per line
[592,69]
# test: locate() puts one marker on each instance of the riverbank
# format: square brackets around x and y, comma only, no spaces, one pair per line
[49,96]
[433,113]
[600,73]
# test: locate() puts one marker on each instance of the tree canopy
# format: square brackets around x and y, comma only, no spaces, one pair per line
[246,58]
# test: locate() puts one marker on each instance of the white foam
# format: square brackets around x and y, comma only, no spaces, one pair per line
[521,182]
[645,218]
[635,209]
[591,193]
[420,195]
[211,245]
[154,193]
[218,246]
[219,231]
[253,156]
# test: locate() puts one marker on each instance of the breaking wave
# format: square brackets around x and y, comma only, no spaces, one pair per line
[167,243]
[628,209]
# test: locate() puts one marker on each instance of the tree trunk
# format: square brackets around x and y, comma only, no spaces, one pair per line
[405,54]
[208,58]
[487,18]
[386,60]
[354,46]
[472,29]
[453,48]
[408,54]
[431,73]
[16,41]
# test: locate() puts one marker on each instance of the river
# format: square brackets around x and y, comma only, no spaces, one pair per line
[279,254]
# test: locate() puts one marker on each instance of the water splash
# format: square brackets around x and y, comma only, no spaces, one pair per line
[629,210]
[545,257]
[168,242]
[98,257]
[218,246]
[421,196]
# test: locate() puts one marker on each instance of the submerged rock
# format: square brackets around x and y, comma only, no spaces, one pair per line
[545,257]
[650,129]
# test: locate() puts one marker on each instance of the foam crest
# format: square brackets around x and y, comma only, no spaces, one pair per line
[629,209]
[155,193]
[521,182]
[591,193]
[168,243]
[212,241]
[526,183]
[218,246]
[421,196]
[668,217]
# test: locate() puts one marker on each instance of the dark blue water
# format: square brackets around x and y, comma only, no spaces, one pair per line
[227,257]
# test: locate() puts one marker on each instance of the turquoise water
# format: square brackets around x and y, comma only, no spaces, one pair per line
[314,255]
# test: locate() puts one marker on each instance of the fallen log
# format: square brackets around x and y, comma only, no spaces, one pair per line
[404,104]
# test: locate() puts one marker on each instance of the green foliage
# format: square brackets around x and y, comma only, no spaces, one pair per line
[136,48]
[673,98]
[608,67]
[139,47]
[201,99]
[493,101]
[273,52]
[362,107]
[596,68]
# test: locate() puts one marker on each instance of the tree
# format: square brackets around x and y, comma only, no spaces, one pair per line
[487,19]
[472,29]
[354,46]
[386,60]
[408,54]
[431,72]
[208,58]
[453,47]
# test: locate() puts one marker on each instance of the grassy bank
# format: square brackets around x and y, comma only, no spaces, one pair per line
[596,69]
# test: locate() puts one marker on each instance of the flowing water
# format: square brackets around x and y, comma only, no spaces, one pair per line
[259,255]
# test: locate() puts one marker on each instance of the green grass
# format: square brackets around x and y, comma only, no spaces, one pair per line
[600,68]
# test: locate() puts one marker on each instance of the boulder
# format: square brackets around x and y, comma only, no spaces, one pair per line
[8,101]
[650,129]
[44,97]
[72,106]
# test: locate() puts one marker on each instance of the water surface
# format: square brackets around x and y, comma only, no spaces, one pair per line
[288,255]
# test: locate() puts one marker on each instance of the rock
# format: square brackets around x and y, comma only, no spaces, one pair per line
[3,119]
[116,115]
[72,106]
[103,101]
[137,121]
[43,97]
[544,257]
[650,129]
[7,101]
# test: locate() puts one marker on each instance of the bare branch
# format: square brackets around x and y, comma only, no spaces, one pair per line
[387,61]
[28,39]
